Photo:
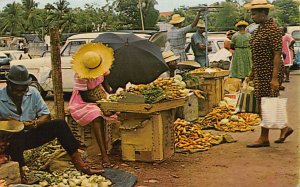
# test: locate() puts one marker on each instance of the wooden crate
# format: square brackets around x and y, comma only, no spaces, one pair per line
[214,89]
[148,138]
[142,108]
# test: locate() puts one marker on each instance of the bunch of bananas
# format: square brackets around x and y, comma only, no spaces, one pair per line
[189,136]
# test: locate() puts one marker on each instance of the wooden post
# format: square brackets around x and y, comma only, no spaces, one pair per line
[56,73]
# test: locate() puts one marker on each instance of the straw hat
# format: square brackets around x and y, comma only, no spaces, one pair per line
[201,23]
[242,23]
[189,63]
[176,18]
[92,60]
[169,56]
[258,4]
[230,32]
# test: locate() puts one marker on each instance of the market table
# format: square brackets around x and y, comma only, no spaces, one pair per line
[146,129]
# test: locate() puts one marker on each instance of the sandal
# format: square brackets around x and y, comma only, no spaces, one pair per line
[288,132]
[257,145]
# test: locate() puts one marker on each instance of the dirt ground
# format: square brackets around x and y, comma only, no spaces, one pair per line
[231,165]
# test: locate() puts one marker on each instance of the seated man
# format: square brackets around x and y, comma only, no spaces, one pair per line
[20,102]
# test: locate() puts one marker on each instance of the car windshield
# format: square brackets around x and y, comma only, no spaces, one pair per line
[72,47]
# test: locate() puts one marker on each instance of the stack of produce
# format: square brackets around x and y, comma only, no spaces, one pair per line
[159,90]
[222,118]
[189,137]
[70,177]
[3,183]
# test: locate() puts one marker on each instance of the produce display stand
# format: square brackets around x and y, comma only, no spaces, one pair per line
[146,129]
[213,87]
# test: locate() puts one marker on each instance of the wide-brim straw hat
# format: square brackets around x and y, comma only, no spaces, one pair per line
[176,18]
[242,23]
[189,63]
[201,23]
[11,126]
[169,56]
[92,60]
[258,4]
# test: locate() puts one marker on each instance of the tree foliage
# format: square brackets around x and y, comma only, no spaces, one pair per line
[286,12]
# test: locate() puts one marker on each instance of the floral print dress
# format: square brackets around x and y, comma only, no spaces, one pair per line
[264,42]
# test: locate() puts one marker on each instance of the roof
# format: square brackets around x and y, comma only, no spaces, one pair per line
[165,14]
[33,38]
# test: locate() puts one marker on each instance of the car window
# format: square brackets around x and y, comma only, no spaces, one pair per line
[220,44]
[297,44]
[72,47]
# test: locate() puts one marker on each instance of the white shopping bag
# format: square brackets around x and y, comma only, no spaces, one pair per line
[274,113]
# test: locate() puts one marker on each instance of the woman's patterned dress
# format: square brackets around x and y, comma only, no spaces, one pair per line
[264,42]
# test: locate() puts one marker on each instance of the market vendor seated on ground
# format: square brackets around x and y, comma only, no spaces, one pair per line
[23,103]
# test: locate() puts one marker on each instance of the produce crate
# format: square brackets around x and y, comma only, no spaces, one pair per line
[86,136]
[147,137]
[216,74]
[189,111]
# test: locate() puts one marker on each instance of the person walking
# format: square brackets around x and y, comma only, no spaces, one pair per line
[25,55]
[91,63]
[23,103]
[176,36]
[287,49]
[198,44]
[266,45]
[242,58]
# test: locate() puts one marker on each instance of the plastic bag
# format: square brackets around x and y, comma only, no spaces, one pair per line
[274,113]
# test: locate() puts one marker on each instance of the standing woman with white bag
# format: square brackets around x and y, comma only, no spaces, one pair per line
[266,46]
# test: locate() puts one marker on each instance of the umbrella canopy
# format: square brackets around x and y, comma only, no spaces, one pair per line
[136,60]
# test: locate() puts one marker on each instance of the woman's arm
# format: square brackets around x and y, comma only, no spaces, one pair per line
[277,61]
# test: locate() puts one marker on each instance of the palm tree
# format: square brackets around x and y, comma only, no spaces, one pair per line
[58,12]
[30,15]
[11,19]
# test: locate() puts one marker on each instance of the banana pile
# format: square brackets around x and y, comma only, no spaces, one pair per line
[189,137]
[222,118]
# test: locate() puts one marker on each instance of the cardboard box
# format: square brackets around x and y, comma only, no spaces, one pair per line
[189,111]
[148,138]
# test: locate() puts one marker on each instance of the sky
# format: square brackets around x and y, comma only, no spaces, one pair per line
[163,5]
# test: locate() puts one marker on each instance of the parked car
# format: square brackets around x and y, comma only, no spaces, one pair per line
[297,52]
[40,68]
[5,58]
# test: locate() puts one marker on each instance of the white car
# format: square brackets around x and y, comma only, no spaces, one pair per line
[40,68]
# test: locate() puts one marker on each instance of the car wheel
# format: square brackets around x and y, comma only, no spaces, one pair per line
[39,88]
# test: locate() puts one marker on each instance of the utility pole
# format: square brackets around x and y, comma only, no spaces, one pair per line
[141,14]
[205,15]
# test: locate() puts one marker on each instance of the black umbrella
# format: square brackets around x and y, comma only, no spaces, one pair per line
[136,59]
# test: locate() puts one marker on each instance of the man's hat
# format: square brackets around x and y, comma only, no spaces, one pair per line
[18,74]
[169,56]
[258,4]
[242,23]
[92,60]
[201,23]
[176,18]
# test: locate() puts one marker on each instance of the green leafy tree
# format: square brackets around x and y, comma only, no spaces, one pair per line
[286,12]
[11,19]
[31,18]
[150,14]
[128,14]
[58,13]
